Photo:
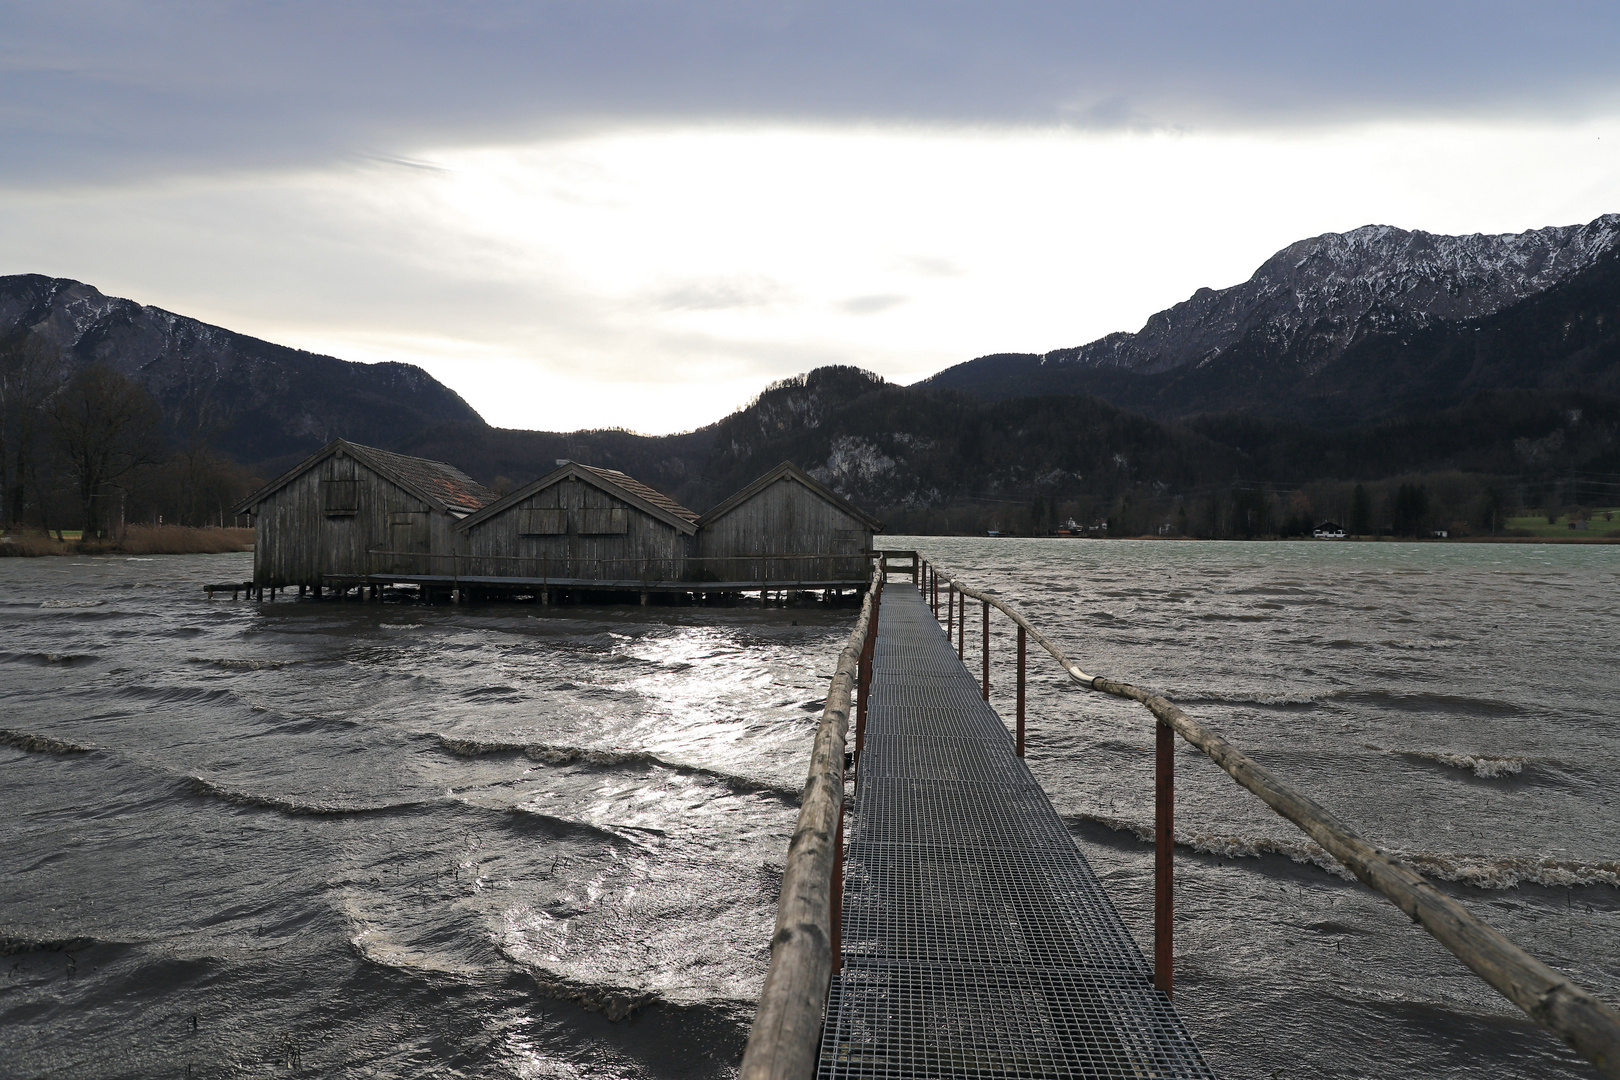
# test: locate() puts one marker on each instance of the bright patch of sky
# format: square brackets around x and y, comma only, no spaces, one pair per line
[656,279]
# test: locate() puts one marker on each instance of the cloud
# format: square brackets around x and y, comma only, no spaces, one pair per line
[658,279]
[930,265]
[871,305]
[96,90]
[723,293]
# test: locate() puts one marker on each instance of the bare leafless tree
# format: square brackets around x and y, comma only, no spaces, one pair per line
[30,372]
[106,428]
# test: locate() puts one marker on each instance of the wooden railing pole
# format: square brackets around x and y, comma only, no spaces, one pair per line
[1020,691]
[1164,867]
[984,637]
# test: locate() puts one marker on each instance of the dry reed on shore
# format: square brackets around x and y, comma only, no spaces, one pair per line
[137,540]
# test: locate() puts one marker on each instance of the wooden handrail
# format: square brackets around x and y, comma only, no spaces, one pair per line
[1569,1011]
[786,1035]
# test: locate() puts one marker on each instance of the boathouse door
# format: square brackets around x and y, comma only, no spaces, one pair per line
[408,540]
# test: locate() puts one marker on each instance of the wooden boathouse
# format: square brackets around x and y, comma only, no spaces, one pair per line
[787,527]
[356,517]
[579,525]
[352,512]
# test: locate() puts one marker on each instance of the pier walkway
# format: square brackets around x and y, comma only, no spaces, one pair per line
[976,941]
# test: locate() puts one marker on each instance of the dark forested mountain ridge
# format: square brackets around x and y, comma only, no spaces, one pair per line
[1316,332]
[258,400]
[1530,390]
[882,445]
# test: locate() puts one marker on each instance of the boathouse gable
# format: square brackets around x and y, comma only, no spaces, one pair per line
[350,511]
[786,512]
[580,523]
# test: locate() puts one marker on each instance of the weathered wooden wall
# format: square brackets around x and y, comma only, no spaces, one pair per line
[298,542]
[785,518]
[649,550]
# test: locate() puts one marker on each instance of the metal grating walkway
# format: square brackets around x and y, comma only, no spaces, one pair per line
[976,940]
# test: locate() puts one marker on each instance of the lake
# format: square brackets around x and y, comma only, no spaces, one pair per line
[512,841]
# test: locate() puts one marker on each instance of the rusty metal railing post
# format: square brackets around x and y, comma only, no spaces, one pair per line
[863,685]
[950,610]
[961,627]
[863,682]
[1020,691]
[984,637]
[836,893]
[1164,838]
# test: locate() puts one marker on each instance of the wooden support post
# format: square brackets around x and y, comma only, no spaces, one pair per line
[301,590]
[984,638]
[1020,691]
[646,598]
[1164,837]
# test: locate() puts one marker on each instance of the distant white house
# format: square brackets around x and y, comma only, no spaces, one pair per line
[1329,530]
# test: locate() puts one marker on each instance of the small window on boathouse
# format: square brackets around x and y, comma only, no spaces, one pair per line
[340,496]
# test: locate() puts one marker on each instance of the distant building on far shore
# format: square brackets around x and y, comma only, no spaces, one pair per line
[1329,530]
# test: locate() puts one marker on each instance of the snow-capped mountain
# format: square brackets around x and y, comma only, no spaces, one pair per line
[1315,296]
[1347,327]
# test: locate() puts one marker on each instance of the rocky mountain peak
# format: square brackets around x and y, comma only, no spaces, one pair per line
[260,401]
[1331,287]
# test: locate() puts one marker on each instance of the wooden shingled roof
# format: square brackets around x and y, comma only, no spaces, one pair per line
[437,483]
[789,471]
[620,485]
[652,495]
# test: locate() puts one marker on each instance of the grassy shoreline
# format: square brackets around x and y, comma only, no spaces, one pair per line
[136,540]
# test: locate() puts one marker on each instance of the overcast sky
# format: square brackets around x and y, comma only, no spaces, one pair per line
[612,213]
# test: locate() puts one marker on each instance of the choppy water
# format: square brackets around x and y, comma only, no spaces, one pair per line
[396,841]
